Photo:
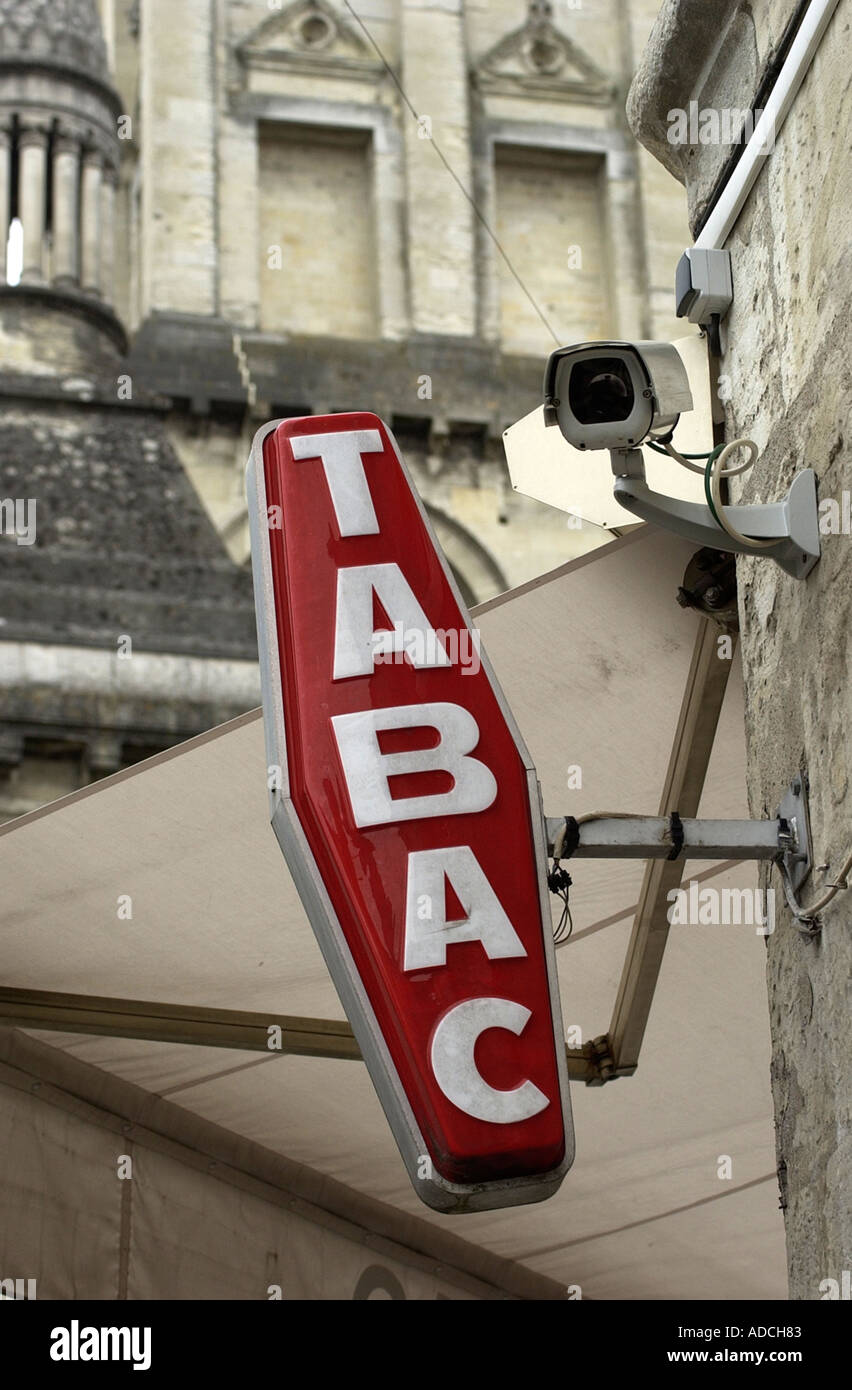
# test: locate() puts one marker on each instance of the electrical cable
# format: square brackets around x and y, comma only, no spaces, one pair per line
[713,470]
[662,449]
[559,880]
[713,474]
[477,211]
[812,911]
[683,459]
[560,935]
[559,842]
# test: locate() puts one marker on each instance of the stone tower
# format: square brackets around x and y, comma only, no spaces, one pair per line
[124,626]
[59,159]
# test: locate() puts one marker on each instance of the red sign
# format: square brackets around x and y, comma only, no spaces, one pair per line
[408,810]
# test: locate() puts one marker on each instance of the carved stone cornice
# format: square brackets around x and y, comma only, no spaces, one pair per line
[33,130]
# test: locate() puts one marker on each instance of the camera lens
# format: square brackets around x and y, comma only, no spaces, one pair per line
[600,391]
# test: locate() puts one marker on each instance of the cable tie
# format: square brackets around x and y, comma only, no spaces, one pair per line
[676,832]
[572,837]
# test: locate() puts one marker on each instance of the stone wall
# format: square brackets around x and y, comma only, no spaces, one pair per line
[787,371]
[316,263]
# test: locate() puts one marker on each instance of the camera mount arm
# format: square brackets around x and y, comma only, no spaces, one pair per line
[794,520]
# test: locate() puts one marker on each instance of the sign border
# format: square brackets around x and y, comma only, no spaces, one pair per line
[436,1191]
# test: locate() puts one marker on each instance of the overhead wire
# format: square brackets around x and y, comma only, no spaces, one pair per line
[713,468]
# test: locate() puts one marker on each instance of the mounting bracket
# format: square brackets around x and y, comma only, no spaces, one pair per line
[794,521]
[794,810]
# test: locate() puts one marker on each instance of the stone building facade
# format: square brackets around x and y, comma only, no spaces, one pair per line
[789,382]
[227,212]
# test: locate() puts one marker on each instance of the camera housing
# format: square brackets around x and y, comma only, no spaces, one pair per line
[612,395]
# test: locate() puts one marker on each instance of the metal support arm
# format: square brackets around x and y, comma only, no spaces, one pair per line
[229,1028]
[667,837]
[794,520]
[787,837]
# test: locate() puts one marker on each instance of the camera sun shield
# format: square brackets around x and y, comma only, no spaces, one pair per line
[543,465]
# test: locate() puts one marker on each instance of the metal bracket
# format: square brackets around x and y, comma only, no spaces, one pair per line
[668,837]
[794,521]
[603,1061]
[710,587]
[798,855]
[785,840]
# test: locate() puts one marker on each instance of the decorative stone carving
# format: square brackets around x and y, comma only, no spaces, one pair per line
[309,36]
[60,33]
[537,59]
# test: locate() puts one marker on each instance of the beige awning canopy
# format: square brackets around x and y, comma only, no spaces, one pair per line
[166,884]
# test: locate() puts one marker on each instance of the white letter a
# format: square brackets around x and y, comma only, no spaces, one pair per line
[427,939]
[355,643]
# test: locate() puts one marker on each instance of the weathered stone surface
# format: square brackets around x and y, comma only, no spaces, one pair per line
[787,370]
[53,32]
[697,53]
[48,333]
[122,545]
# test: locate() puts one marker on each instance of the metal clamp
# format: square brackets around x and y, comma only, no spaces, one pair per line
[676,832]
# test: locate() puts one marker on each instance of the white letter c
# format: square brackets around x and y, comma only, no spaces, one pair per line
[455,1069]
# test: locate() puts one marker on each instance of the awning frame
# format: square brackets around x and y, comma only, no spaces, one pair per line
[613,1054]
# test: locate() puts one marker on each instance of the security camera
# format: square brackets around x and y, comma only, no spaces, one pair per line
[617,396]
[614,395]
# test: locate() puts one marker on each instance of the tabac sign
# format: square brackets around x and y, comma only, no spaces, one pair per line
[408,812]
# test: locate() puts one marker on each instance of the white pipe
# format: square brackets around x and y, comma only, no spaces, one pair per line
[723,218]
